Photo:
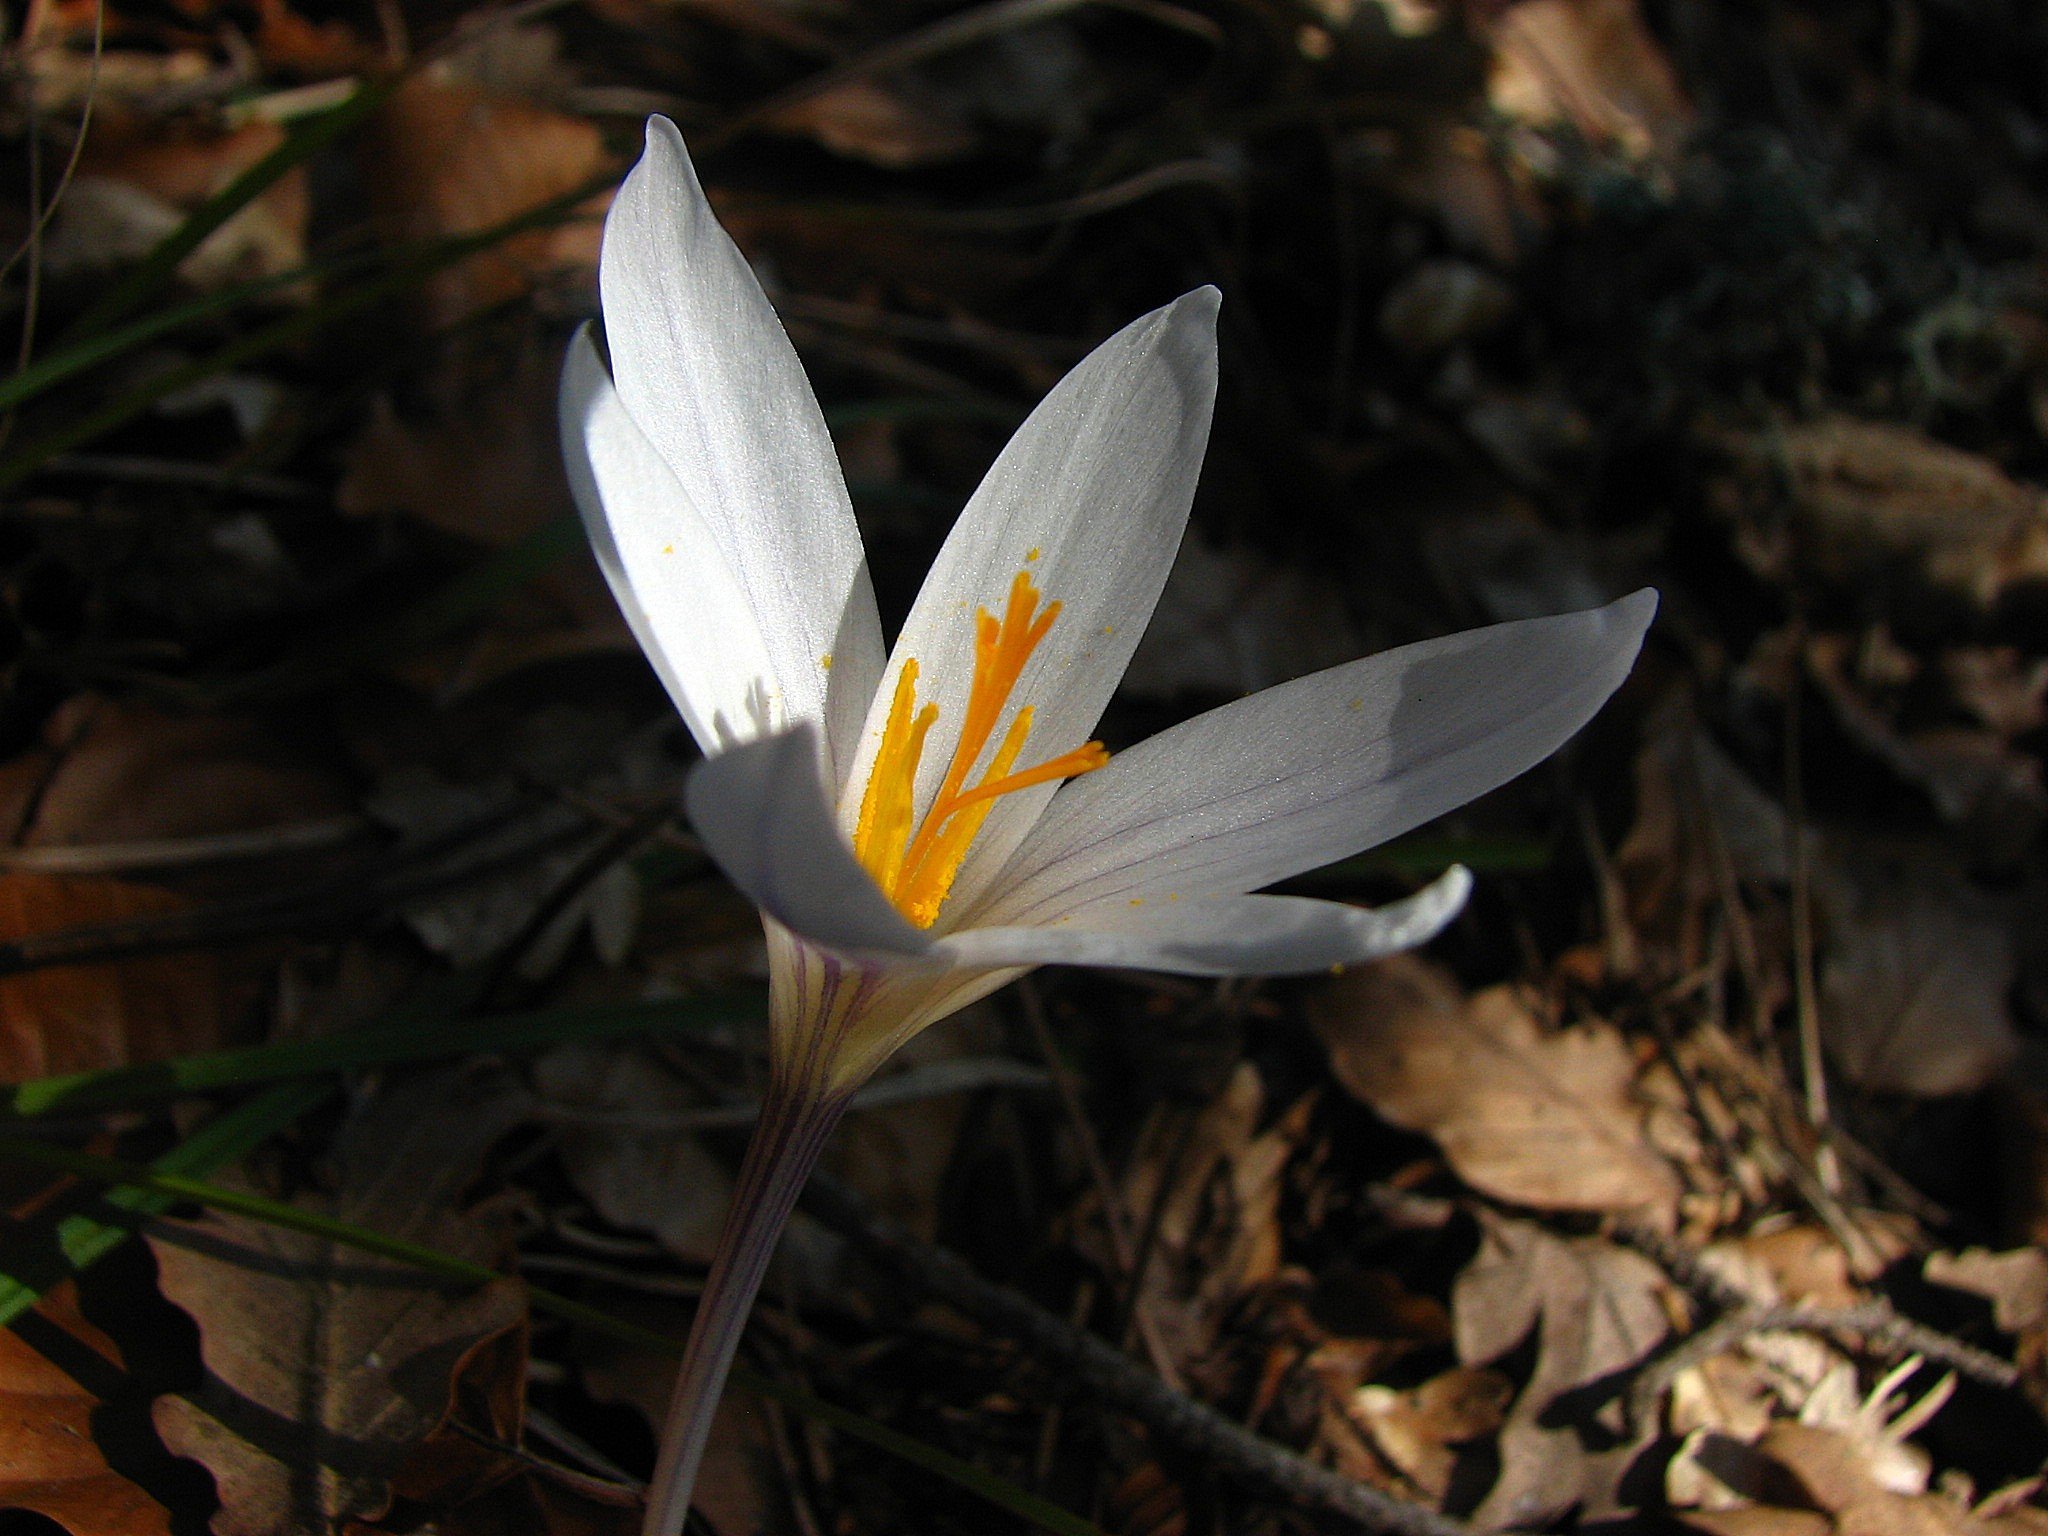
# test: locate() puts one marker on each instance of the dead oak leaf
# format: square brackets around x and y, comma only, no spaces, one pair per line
[327,1367]
[49,1461]
[79,1018]
[448,157]
[122,773]
[2015,1283]
[1595,1310]
[1592,64]
[1541,1119]
[1872,502]
[1919,960]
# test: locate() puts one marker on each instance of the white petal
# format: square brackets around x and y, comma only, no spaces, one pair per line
[670,578]
[1223,935]
[762,812]
[705,368]
[1091,497]
[1319,768]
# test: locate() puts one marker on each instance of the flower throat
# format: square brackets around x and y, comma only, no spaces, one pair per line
[916,868]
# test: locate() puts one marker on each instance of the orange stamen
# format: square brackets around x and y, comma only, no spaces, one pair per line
[918,871]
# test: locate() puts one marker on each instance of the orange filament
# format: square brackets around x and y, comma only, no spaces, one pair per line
[918,870]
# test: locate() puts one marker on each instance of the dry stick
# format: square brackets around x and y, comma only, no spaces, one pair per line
[1812,1065]
[1876,1321]
[1190,1426]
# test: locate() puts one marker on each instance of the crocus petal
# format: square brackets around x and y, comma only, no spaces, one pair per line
[708,373]
[1091,497]
[1224,935]
[1319,768]
[763,815]
[682,601]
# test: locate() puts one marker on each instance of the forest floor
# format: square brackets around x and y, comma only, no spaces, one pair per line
[385,1041]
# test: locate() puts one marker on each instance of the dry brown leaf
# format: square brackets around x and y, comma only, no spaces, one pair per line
[1452,170]
[1211,1193]
[446,157]
[1541,1119]
[1596,1310]
[1873,501]
[2002,686]
[1891,1514]
[326,1367]
[113,772]
[81,1018]
[881,124]
[466,1454]
[49,1462]
[1591,64]
[1850,1478]
[1917,958]
[1758,1520]
[487,469]
[1918,963]
[1417,1430]
[897,1155]
[1974,778]
[1807,1265]
[137,179]
[2015,1283]
[616,1108]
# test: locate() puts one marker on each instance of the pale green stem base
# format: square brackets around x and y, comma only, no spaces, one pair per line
[787,1140]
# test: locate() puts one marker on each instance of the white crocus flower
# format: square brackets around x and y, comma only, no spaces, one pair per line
[919,825]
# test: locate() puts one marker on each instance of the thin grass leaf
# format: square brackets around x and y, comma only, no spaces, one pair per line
[387,1046]
[167,1188]
[76,357]
[286,332]
[81,1240]
[306,139]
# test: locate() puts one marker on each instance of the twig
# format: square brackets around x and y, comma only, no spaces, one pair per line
[1193,1428]
[1880,1325]
[1806,992]
[1890,1334]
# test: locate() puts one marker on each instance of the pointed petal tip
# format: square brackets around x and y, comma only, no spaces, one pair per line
[1630,619]
[1639,607]
[664,135]
[664,169]
[1195,309]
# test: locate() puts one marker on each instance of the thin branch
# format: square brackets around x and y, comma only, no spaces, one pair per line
[1173,1418]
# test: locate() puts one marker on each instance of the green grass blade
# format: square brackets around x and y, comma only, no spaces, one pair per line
[55,367]
[306,139]
[167,1187]
[287,331]
[81,1240]
[386,1046]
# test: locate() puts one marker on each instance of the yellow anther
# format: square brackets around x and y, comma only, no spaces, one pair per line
[917,870]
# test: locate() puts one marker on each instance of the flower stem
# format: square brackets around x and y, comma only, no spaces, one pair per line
[795,1120]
